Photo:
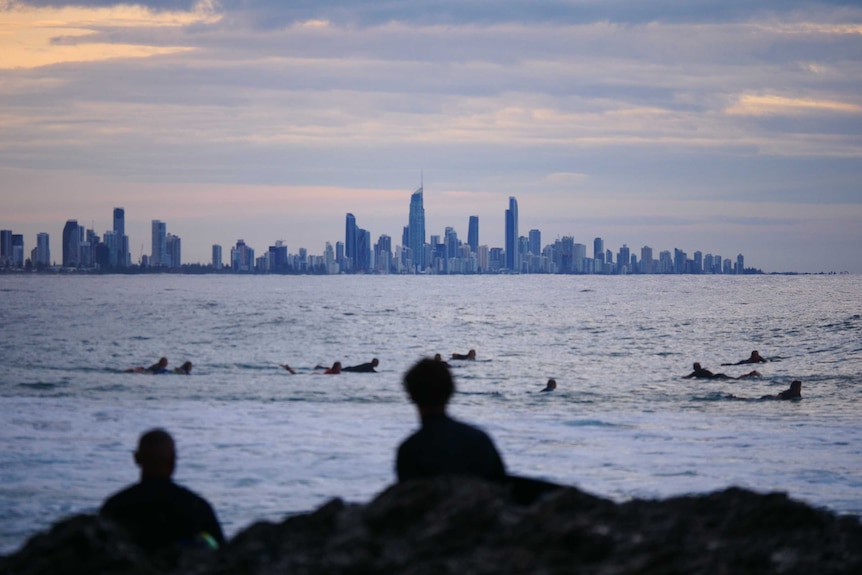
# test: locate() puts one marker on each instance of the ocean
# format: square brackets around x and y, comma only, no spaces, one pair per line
[262,444]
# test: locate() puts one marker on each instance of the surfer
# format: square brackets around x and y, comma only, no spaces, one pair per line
[701,373]
[470,355]
[793,392]
[157,512]
[184,369]
[442,445]
[551,386]
[160,366]
[755,357]
[363,367]
[334,370]
[438,357]
[288,368]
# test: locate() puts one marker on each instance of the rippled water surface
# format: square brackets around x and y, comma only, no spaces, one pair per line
[260,443]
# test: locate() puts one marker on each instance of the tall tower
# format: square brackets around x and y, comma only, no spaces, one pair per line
[71,244]
[473,234]
[121,237]
[512,259]
[159,252]
[416,229]
[535,242]
[350,239]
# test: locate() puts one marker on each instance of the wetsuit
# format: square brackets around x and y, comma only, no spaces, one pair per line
[461,356]
[443,446]
[361,368]
[706,374]
[158,513]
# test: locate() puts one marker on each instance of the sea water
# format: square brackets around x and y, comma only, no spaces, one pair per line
[260,443]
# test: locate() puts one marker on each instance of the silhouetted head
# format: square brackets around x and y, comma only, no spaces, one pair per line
[375,362]
[755,355]
[438,357]
[156,454]
[552,384]
[429,384]
[696,366]
[471,354]
[796,386]
[186,367]
[163,363]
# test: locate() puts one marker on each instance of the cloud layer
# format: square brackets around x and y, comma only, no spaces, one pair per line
[715,127]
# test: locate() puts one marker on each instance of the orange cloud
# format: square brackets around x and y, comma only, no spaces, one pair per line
[28,35]
[751,105]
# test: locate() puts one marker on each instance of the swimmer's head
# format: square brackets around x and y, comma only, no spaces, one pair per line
[696,365]
[471,354]
[429,383]
[375,362]
[163,362]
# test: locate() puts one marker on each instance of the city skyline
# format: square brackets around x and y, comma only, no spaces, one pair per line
[731,125]
[84,248]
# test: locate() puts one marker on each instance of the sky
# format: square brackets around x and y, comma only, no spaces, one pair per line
[724,126]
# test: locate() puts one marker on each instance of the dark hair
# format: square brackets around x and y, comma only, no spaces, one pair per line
[429,383]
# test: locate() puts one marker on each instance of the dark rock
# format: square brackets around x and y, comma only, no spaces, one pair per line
[467,526]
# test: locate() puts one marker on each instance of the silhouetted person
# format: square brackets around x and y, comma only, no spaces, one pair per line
[755,357]
[794,392]
[438,357]
[184,369]
[551,386]
[160,366]
[288,368]
[701,373]
[363,367]
[442,445]
[470,355]
[157,512]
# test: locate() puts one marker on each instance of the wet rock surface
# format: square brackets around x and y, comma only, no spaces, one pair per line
[465,526]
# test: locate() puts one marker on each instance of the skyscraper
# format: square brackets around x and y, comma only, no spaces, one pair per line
[43,250]
[512,259]
[159,251]
[122,250]
[599,250]
[217,257]
[473,234]
[71,244]
[416,231]
[350,239]
[535,242]
[5,247]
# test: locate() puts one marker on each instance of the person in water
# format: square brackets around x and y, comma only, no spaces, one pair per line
[551,386]
[334,370]
[442,445]
[438,357]
[470,355]
[794,392]
[184,369]
[701,373]
[160,366]
[755,357]
[363,367]
[157,512]
[288,368]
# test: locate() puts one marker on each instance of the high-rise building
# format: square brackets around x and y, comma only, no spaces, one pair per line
[71,244]
[43,250]
[363,250]
[350,240]
[473,234]
[512,256]
[122,249]
[217,257]
[174,250]
[18,250]
[5,247]
[159,251]
[740,264]
[535,242]
[599,250]
[416,230]
[646,260]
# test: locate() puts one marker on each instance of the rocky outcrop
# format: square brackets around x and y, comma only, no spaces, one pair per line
[465,526]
